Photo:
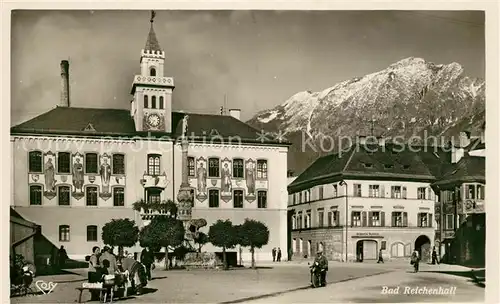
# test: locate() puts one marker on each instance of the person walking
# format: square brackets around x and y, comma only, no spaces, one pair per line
[380,257]
[278,256]
[274,254]
[323,266]
[415,259]
[434,256]
[147,260]
[62,256]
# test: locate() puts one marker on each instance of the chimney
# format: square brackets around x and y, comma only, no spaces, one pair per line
[64,83]
[235,113]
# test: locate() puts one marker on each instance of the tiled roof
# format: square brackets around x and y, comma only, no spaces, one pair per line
[118,122]
[152,43]
[375,162]
[468,169]
[74,121]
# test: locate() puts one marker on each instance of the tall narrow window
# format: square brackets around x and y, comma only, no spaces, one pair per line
[320,192]
[118,197]
[146,103]
[91,233]
[153,102]
[118,164]
[262,199]
[399,219]
[154,164]
[423,219]
[213,167]
[35,195]
[63,162]
[356,219]
[238,168]
[470,191]
[421,192]
[63,233]
[321,218]
[262,169]
[35,161]
[374,219]
[91,193]
[396,192]
[335,190]
[213,198]
[191,166]
[450,222]
[374,191]
[161,103]
[480,192]
[64,195]
[238,199]
[357,190]
[152,72]
[91,163]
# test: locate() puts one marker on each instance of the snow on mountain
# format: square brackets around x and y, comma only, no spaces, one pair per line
[407,98]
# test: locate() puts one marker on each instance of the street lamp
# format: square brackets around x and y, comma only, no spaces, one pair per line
[343,183]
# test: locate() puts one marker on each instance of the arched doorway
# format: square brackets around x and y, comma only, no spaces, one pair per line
[366,250]
[423,246]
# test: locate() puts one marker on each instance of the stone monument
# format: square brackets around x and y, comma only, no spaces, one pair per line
[184,197]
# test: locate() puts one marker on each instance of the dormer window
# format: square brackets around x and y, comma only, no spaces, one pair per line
[368,165]
[388,166]
[406,167]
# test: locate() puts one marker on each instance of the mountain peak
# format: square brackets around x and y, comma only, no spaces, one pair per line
[410,97]
[408,61]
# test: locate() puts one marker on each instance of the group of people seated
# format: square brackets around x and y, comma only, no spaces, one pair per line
[113,271]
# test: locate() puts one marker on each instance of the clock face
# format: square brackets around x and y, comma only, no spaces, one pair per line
[154,120]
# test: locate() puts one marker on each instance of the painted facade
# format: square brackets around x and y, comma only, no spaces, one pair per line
[75,169]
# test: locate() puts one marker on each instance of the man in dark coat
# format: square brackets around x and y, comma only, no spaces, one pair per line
[62,256]
[147,259]
[323,265]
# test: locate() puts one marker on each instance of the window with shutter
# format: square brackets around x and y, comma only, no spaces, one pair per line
[382,191]
[404,192]
[430,220]
[382,219]
[405,219]
[330,220]
[370,219]
[364,224]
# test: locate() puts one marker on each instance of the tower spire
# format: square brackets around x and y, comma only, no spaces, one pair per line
[152,43]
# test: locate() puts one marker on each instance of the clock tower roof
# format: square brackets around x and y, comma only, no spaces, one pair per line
[152,43]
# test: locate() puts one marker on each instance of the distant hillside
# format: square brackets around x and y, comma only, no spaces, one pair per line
[410,97]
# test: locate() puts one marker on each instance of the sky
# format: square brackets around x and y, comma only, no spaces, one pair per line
[257,59]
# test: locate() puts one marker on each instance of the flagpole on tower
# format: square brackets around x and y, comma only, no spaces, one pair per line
[153,14]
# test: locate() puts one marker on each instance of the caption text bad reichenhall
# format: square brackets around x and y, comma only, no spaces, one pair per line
[408,290]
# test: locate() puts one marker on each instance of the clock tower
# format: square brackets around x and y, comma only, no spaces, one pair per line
[151,107]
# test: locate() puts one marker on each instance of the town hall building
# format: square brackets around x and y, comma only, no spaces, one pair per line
[75,169]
